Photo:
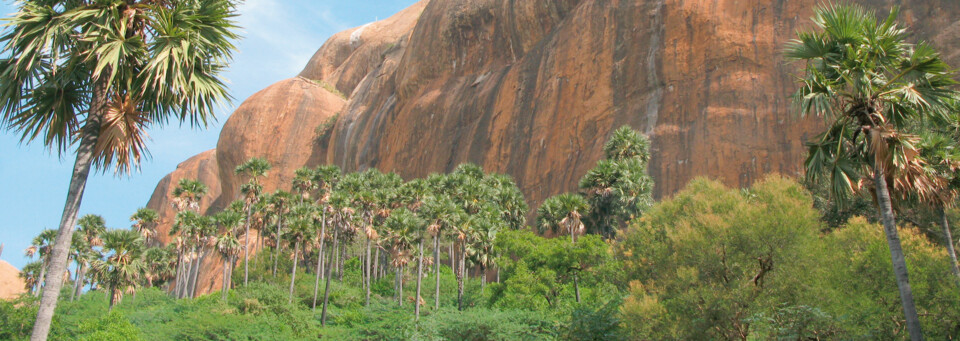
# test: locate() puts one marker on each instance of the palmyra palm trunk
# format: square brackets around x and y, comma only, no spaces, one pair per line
[293,273]
[196,273]
[436,262]
[40,283]
[460,279]
[78,181]
[896,254]
[367,272]
[226,283]
[78,283]
[376,263]
[316,284]
[400,283]
[326,290]
[945,224]
[276,250]
[246,248]
[416,299]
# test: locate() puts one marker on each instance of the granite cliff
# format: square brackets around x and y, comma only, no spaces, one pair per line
[533,88]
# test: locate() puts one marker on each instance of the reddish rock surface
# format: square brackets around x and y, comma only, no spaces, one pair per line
[11,285]
[534,88]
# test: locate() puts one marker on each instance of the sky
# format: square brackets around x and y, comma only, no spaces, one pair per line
[280,36]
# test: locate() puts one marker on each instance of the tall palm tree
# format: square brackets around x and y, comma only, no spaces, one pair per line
[41,246]
[561,214]
[942,154]
[324,179]
[188,193]
[871,84]
[303,183]
[344,225]
[98,73]
[122,266]
[404,230]
[145,222]
[255,169]
[228,245]
[278,205]
[204,238]
[442,215]
[90,228]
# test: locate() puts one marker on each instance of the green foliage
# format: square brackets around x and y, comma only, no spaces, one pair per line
[322,132]
[716,263]
[16,317]
[594,322]
[111,327]
[329,87]
[618,188]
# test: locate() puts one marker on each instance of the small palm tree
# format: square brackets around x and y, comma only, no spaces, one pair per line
[303,182]
[41,246]
[31,275]
[145,222]
[871,84]
[942,154]
[561,214]
[255,169]
[618,187]
[278,206]
[122,267]
[90,228]
[159,265]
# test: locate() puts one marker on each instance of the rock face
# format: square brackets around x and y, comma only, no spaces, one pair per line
[11,285]
[534,88]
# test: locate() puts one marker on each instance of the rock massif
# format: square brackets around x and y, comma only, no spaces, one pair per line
[11,285]
[533,89]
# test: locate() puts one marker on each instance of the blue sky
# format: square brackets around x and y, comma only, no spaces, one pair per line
[280,36]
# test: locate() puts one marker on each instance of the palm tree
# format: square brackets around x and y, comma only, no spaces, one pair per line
[31,275]
[442,215]
[254,168]
[618,187]
[871,84]
[344,226]
[90,228]
[943,167]
[122,267]
[303,182]
[159,264]
[188,193]
[561,214]
[98,73]
[299,228]
[404,229]
[145,222]
[41,246]
[324,178]
[228,245]
[277,205]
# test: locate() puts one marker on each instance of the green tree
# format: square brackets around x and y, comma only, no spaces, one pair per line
[96,74]
[862,75]
[160,264]
[403,228]
[254,169]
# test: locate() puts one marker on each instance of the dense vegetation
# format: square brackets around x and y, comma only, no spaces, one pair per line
[370,256]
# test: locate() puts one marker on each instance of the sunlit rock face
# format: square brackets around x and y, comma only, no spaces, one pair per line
[533,89]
